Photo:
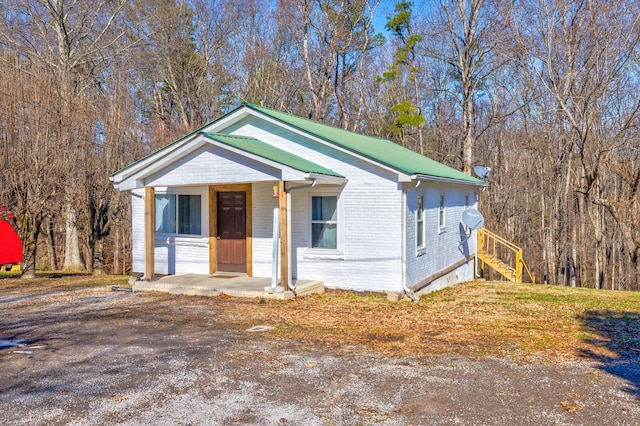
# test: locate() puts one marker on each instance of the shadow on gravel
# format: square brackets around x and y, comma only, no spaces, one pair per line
[17,342]
[620,333]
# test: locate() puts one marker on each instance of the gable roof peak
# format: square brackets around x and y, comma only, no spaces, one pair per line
[266,110]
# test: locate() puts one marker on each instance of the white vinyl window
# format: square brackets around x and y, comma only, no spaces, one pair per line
[324,222]
[441,213]
[420,226]
[178,214]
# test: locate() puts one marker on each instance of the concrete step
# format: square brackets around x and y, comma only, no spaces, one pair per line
[195,291]
[310,288]
[202,285]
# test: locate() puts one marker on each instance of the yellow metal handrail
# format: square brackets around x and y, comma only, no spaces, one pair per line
[494,246]
[526,268]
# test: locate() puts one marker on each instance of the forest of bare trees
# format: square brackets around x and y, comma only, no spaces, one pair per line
[546,93]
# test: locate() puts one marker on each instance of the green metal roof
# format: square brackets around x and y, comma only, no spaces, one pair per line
[378,149]
[261,149]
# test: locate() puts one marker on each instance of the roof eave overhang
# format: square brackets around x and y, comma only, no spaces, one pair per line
[127,184]
[134,168]
[439,179]
[326,179]
[139,166]
[136,179]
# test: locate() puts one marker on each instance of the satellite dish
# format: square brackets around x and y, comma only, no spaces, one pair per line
[482,172]
[473,219]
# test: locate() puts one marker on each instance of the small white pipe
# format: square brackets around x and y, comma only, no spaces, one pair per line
[306,185]
[276,247]
[290,284]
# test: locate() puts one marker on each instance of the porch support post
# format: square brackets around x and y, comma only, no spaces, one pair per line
[284,240]
[149,232]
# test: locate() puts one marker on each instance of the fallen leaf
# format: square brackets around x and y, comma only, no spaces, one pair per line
[260,328]
[571,407]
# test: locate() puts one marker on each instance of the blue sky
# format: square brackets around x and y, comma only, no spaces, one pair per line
[380,18]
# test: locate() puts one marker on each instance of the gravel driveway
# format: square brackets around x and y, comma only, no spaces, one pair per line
[95,356]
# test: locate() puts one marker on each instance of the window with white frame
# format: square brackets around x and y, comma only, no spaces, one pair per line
[178,214]
[324,222]
[420,226]
[441,213]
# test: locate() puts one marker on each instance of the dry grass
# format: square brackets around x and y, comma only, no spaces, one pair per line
[10,282]
[523,322]
[532,322]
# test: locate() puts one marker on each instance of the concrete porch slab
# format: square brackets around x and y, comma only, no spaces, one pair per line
[235,286]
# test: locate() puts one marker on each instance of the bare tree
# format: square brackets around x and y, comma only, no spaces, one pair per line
[577,58]
[334,40]
[469,34]
[32,151]
[74,42]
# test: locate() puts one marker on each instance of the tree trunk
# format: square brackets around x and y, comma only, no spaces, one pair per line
[72,259]
[575,262]
[613,263]
[51,245]
[29,239]
[98,258]
[116,251]
[543,233]
[467,145]
[87,254]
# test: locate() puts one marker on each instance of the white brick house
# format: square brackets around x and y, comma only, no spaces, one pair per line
[358,212]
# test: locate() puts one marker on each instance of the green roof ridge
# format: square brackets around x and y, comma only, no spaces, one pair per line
[379,149]
[314,122]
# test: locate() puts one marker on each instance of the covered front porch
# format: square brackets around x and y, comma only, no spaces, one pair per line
[227,284]
[246,233]
[218,203]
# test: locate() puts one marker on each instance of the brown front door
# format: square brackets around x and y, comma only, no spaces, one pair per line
[232,231]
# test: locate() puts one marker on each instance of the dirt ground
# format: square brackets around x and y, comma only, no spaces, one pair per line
[90,355]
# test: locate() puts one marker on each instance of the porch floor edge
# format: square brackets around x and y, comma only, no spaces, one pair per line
[239,286]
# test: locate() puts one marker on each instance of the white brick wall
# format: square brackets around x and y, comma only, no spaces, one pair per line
[181,255]
[211,164]
[371,206]
[262,218]
[137,230]
[443,248]
[369,233]
[370,222]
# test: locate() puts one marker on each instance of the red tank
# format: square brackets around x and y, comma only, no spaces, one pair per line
[10,245]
